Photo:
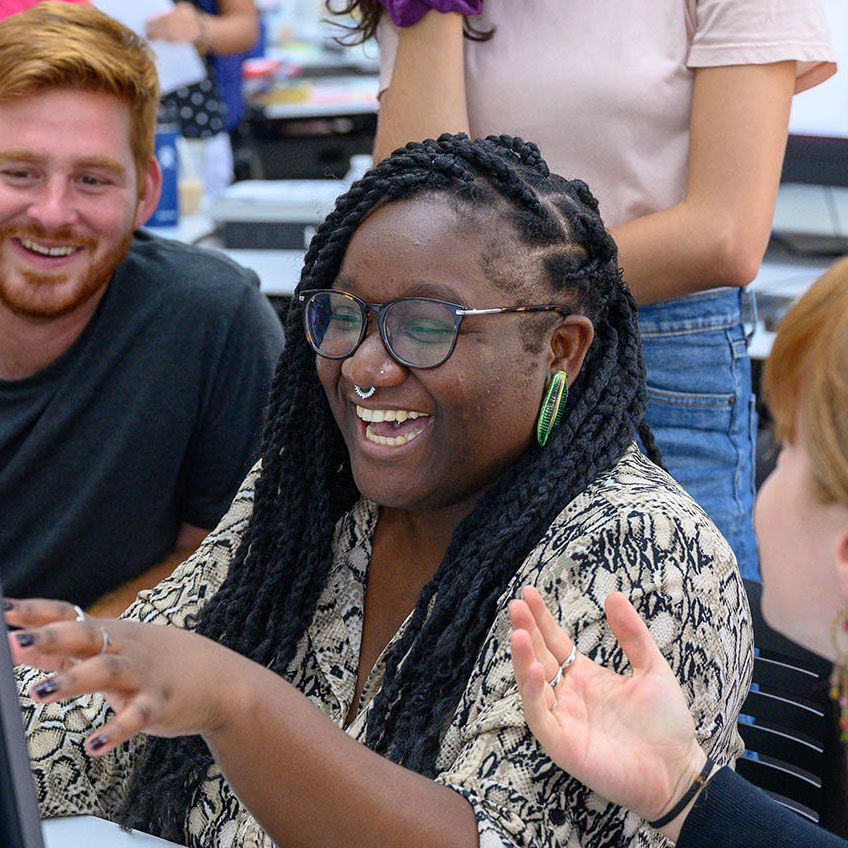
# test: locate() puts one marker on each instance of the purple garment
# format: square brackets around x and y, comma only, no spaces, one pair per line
[404,13]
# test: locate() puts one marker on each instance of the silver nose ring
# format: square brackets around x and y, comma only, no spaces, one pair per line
[364,394]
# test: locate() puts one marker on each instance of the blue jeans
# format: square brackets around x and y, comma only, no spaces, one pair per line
[701,407]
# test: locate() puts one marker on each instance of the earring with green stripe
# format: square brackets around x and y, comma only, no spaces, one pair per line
[553,407]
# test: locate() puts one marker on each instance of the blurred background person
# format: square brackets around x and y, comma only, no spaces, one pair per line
[222,31]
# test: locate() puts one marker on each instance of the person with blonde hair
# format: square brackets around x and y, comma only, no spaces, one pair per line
[133,370]
[631,738]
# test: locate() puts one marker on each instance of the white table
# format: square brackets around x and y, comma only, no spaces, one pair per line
[91,832]
[278,270]
[785,276]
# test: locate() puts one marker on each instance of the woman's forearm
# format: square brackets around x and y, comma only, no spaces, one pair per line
[310,784]
[426,96]
[234,30]
[683,250]
[717,235]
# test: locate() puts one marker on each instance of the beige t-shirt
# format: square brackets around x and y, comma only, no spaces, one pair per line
[604,87]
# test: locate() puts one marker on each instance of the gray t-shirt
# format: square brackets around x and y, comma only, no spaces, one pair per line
[150,419]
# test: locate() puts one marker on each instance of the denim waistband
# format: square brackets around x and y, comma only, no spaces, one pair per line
[706,310]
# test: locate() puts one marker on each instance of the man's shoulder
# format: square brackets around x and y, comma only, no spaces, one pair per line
[175,269]
[191,294]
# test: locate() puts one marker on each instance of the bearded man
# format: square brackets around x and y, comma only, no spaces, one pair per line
[133,370]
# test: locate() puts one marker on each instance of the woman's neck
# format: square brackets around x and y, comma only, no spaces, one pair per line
[427,533]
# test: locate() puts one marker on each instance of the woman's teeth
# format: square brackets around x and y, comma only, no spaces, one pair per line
[396,416]
[387,414]
[389,440]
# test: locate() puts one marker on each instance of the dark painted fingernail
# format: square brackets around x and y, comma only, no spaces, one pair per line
[45,688]
[7,605]
[98,742]
[25,640]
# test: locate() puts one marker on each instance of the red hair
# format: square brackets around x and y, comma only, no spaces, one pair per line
[805,380]
[65,45]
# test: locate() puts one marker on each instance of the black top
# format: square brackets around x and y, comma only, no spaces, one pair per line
[150,419]
[732,813]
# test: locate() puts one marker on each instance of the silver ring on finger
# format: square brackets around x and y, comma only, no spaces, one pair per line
[554,682]
[107,641]
[80,616]
[563,667]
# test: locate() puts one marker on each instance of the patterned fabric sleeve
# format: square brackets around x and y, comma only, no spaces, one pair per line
[682,577]
[67,779]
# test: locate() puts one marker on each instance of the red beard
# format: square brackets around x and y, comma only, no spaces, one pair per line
[50,295]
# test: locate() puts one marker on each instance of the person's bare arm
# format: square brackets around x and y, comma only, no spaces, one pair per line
[234,29]
[114,603]
[717,235]
[426,96]
[373,801]
[303,778]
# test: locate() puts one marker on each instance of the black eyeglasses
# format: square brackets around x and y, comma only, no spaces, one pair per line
[419,332]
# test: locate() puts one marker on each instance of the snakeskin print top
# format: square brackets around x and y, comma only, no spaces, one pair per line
[632,530]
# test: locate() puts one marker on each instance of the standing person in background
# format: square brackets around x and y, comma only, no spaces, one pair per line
[675,112]
[215,28]
[212,26]
[631,738]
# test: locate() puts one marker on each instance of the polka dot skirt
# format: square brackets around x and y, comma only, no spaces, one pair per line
[201,113]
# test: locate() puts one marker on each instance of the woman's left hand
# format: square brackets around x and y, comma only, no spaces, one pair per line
[181,24]
[163,680]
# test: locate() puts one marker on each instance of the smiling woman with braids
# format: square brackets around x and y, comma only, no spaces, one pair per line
[409,486]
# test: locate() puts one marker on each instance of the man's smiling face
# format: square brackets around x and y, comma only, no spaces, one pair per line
[69,199]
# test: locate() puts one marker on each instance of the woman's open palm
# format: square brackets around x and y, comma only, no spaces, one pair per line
[629,738]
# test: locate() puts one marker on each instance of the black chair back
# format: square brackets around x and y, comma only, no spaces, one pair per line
[793,751]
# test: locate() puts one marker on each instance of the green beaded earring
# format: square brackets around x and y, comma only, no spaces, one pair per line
[553,407]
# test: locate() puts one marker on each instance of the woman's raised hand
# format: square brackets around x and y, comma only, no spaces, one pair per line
[181,24]
[629,738]
[162,680]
